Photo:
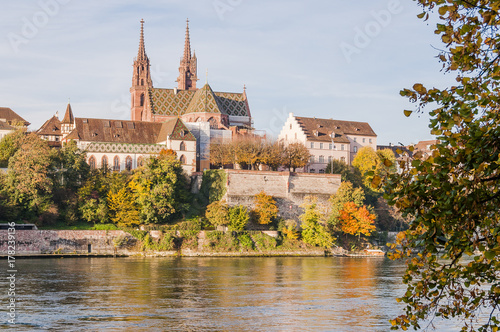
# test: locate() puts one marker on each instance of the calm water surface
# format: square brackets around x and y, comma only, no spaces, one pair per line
[206,294]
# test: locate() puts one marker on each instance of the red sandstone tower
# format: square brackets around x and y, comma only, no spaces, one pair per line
[187,69]
[141,80]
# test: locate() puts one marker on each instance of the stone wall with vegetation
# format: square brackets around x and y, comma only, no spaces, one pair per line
[287,188]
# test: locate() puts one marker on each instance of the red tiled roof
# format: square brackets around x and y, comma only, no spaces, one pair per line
[325,130]
[11,117]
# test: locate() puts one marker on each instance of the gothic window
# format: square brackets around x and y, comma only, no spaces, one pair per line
[104,162]
[142,99]
[183,159]
[128,163]
[92,162]
[116,164]
[198,119]
[182,147]
[142,82]
[321,159]
[213,123]
[140,161]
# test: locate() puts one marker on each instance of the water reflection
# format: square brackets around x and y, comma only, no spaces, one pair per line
[207,294]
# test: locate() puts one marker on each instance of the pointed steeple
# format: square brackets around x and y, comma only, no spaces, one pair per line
[141,80]
[68,116]
[188,66]
[141,54]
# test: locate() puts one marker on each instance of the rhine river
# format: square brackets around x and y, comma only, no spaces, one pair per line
[205,294]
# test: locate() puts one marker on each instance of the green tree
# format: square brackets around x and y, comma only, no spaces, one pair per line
[265,210]
[9,146]
[238,218]
[452,244]
[347,172]
[313,232]
[29,184]
[92,196]
[161,189]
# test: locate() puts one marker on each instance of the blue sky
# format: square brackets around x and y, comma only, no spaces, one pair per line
[345,60]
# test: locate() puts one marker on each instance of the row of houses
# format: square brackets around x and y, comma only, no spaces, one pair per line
[187,119]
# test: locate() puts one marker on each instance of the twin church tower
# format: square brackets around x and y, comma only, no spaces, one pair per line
[221,109]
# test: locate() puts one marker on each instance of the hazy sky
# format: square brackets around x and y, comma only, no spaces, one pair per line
[338,59]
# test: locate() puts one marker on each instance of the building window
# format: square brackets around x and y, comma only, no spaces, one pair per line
[92,162]
[321,159]
[311,160]
[128,163]
[142,99]
[116,164]
[312,170]
[321,145]
[364,140]
[330,159]
[312,145]
[355,149]
[182,147]
[342,147]
[104,162]
[183,159]
[370,140]
[355,139]
[330,146]
[322,171]
[140,161]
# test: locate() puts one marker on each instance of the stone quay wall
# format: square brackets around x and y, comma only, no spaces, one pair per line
[288,189]
[36,242]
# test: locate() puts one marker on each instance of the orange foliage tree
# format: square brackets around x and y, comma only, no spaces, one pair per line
[356,220]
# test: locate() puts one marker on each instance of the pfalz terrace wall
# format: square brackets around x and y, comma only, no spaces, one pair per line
[288,189]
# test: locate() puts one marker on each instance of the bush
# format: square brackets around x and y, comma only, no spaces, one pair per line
[245,241]
[218,213]
[264,242]
[238,218]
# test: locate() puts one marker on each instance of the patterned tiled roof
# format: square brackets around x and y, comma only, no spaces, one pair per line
[326,129]
[179,102]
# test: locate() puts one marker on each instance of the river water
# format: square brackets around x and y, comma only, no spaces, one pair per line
[205,294]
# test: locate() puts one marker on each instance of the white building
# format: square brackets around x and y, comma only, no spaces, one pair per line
[327,139]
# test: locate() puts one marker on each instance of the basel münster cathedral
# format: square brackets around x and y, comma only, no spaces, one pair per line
[222,110]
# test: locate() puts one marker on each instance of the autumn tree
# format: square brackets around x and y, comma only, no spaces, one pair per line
[356,220]
[217,213]
[366,161]
[265,208]
[273,154]
[452,244]
[248,152]
[313,231]
[345,194]
[238,217]
[296,156]
[123,209]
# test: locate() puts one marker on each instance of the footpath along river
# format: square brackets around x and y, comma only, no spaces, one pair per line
[205,294]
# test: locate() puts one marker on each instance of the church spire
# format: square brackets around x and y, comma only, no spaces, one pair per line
[188,66]
[141,80]
[141,54]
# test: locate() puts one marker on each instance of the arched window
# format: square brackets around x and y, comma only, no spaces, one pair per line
[142,99]
[128,163]
[92,162]
[182,147]
[213,123]
[116,164]
[198,119]
[183,159]
[355,149]
[104,162]
[140,161]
